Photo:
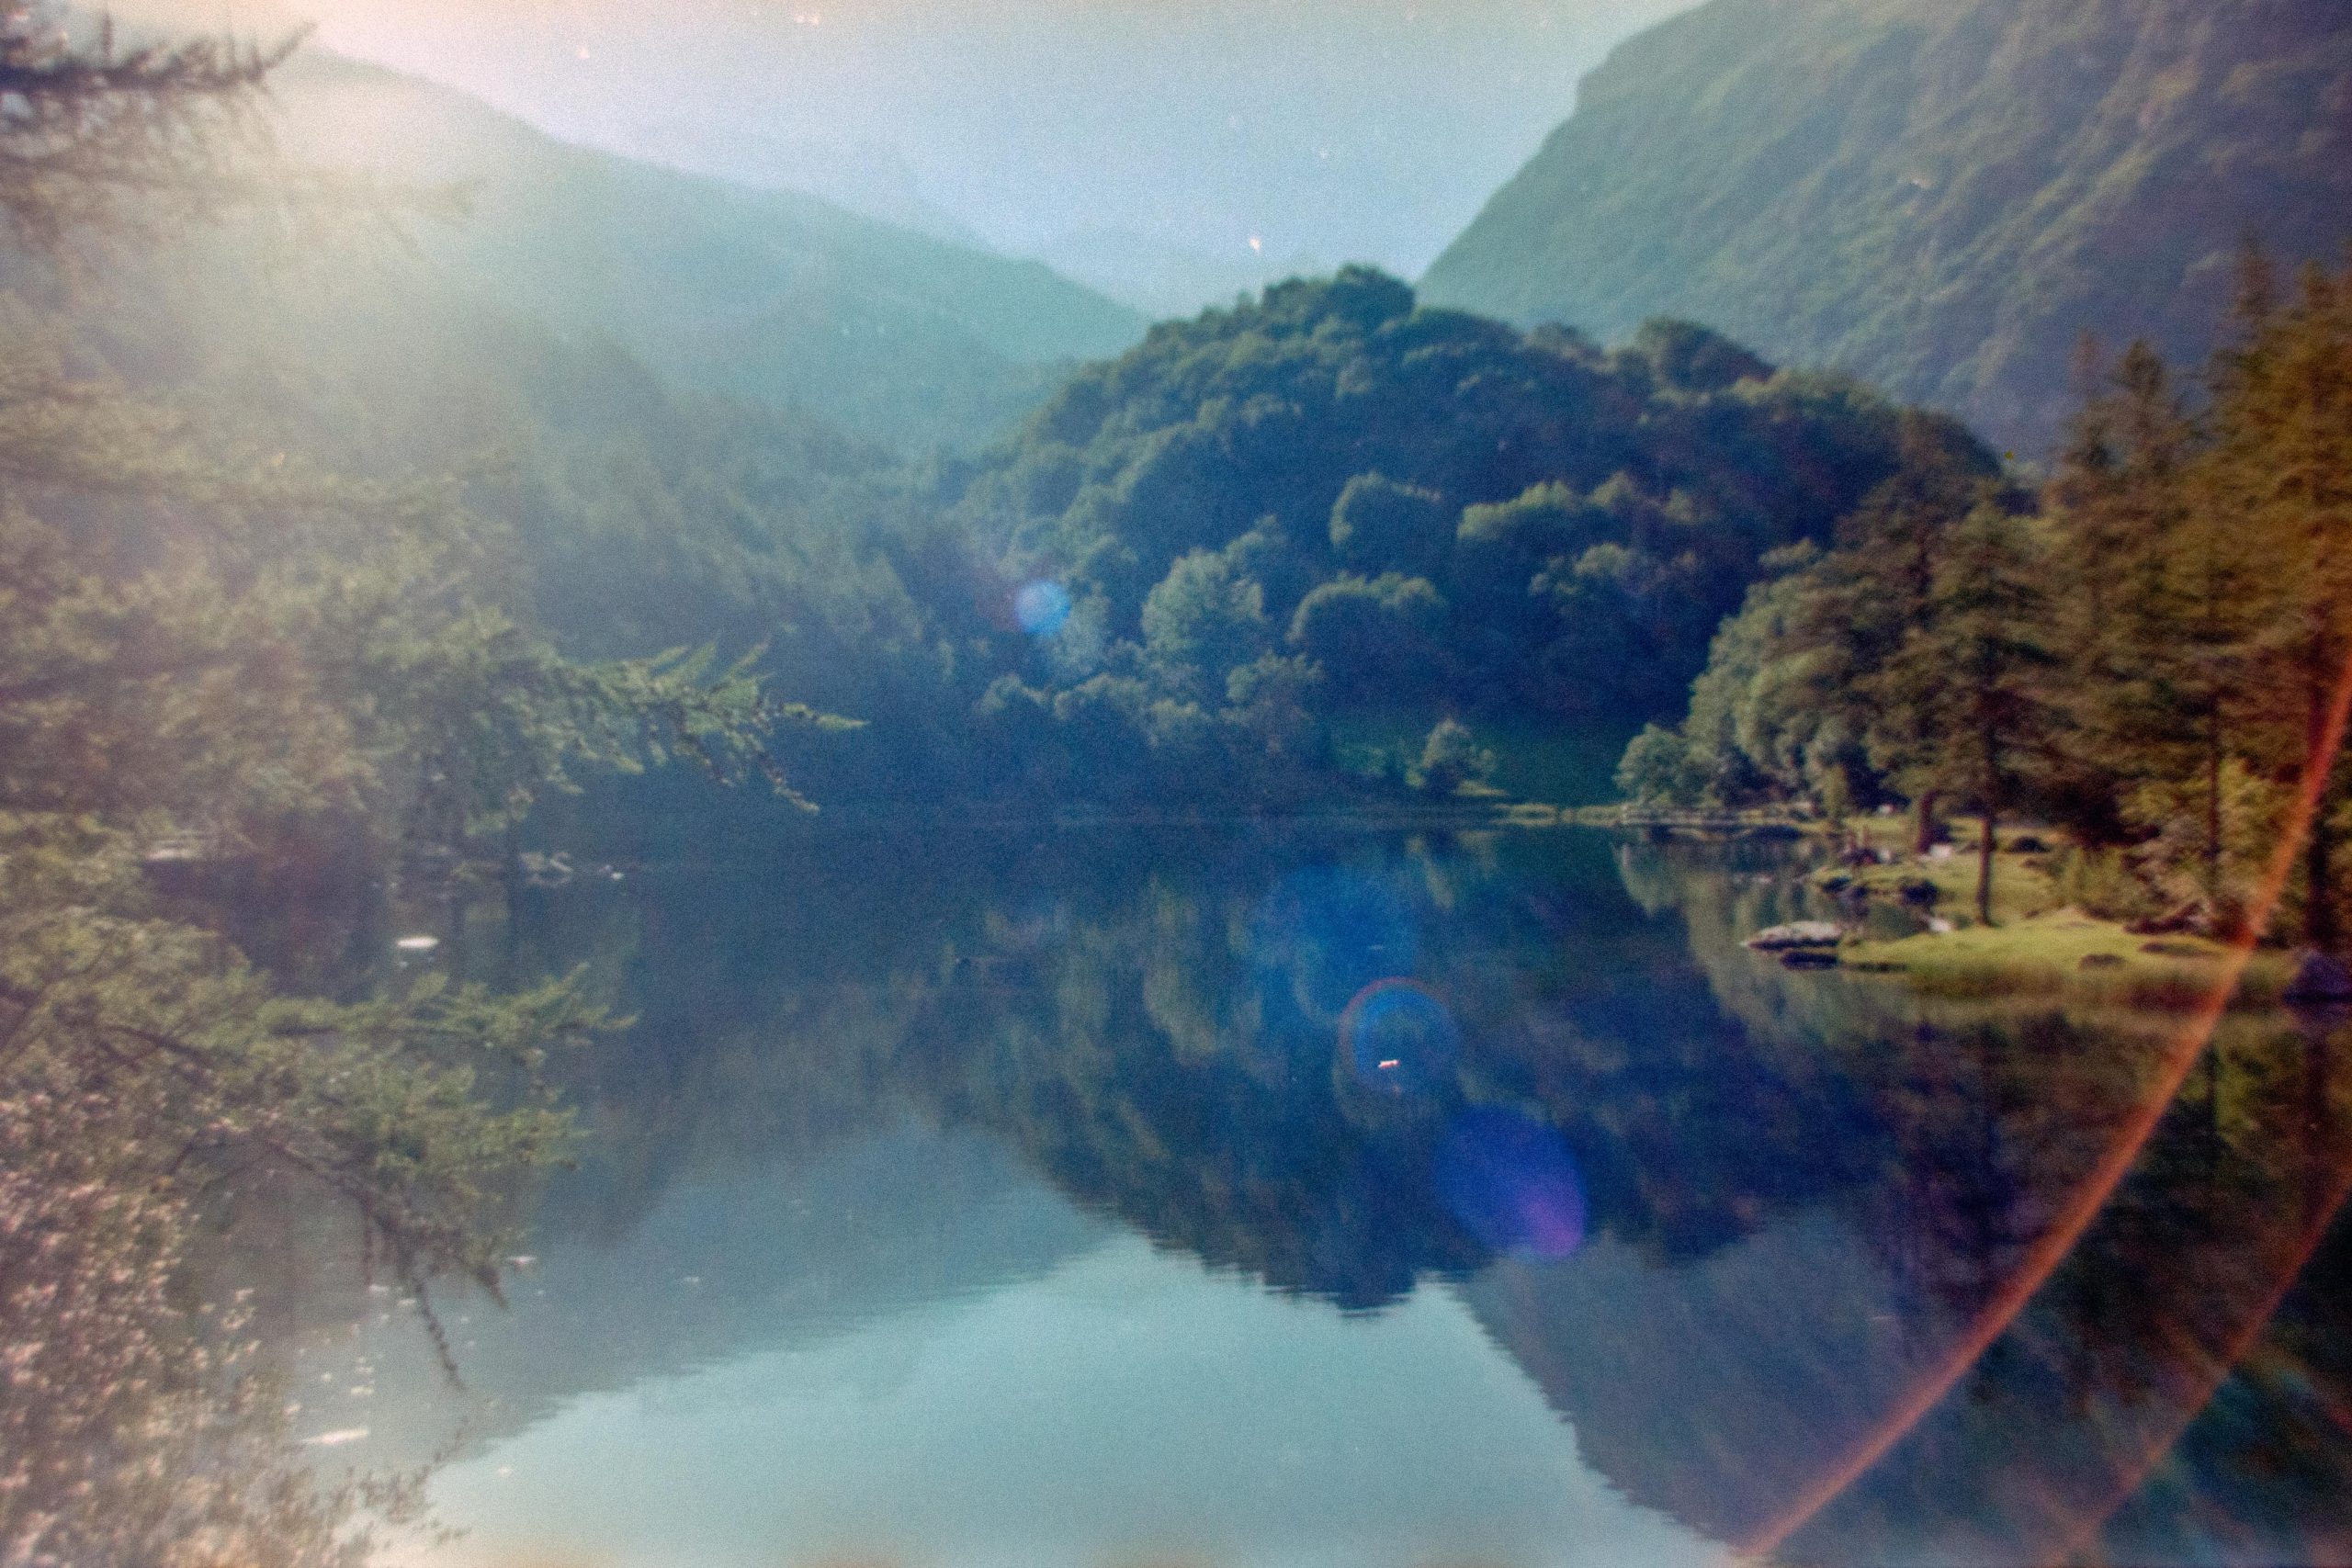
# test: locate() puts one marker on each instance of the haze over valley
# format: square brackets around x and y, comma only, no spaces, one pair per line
[1324,784]
[1169,155]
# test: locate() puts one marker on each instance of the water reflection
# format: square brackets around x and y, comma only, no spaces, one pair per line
[1126,1407]
[1099,1197]
[1511,1181]
[1396,1039]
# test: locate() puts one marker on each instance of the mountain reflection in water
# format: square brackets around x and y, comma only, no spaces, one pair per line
[1302,1197]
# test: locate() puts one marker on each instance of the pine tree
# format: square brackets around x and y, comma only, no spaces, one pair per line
[98,135]
[1979,664]
[1876,590]
[197,636]
[2282,469]
[2145,614]
[2281,473]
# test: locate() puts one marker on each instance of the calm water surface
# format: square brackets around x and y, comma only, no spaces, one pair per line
[1118,1197]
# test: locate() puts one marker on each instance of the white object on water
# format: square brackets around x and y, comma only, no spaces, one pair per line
[1938,925]
[1797,934]
[417,943]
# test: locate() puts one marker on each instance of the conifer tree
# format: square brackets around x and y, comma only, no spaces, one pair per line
[1871,594]
[99,133]
[2281,472]
[200,641]
[1978,666]
[2131,602]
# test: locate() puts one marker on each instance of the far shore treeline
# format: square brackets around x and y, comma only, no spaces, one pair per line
[2146,650]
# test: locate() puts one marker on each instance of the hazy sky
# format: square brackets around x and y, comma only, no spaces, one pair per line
[1111,129]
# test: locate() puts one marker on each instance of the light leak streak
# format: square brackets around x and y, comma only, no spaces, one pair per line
[2043,1258]
[2218,1372]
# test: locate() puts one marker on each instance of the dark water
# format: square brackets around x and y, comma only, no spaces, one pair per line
[1124,1198]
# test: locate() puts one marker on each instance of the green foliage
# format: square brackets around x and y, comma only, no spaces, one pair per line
[1273,702]
[1658,769]
[100,133]
[2150,662]
[212,650]
[1372,640]
[380,1102]
[1688,357]
[2100,882]
[1200,622]
[128,1434]
[1380,527]
[1451,758]
[1435,510]
[1975,674]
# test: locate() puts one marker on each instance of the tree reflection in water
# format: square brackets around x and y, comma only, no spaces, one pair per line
[1751,1205]
[134,1429]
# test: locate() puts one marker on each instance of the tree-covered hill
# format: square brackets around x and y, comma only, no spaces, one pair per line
[1939,196]
[912,340]
[1332,501]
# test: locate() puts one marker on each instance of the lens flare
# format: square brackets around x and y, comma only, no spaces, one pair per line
[2216,1372]
[2074,1218]
[1398,1039]
[1335,933]
[1512,1183]
[1041,607]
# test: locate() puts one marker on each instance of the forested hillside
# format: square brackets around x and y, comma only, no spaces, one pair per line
[1309,537]
[231,644]
[1270,526]
[614,506]
[769,295]
[1938,197]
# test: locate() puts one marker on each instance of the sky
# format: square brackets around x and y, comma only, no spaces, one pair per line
[1172,151]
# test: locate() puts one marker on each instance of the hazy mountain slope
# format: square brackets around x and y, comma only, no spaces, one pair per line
[764,294]
[1936,195]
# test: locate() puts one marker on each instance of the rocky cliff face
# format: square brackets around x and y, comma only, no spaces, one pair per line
[1938,195]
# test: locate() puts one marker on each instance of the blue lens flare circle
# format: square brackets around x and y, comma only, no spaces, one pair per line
[1398,1039]
[1041,607]
[1511,1183]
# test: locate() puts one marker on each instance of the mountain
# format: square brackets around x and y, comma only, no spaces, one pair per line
[867,177]
[1939,196]
[775,296]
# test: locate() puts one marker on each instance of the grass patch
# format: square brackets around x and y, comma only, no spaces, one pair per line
[2023,888]
[2038,944]
[2044,954]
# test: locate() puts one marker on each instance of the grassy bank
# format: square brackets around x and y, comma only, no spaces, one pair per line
[2036,943]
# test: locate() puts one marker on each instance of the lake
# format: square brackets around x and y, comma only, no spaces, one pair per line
[1131,1196]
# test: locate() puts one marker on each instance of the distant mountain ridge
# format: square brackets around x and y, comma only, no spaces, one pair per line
[780,297]
[1939,196]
